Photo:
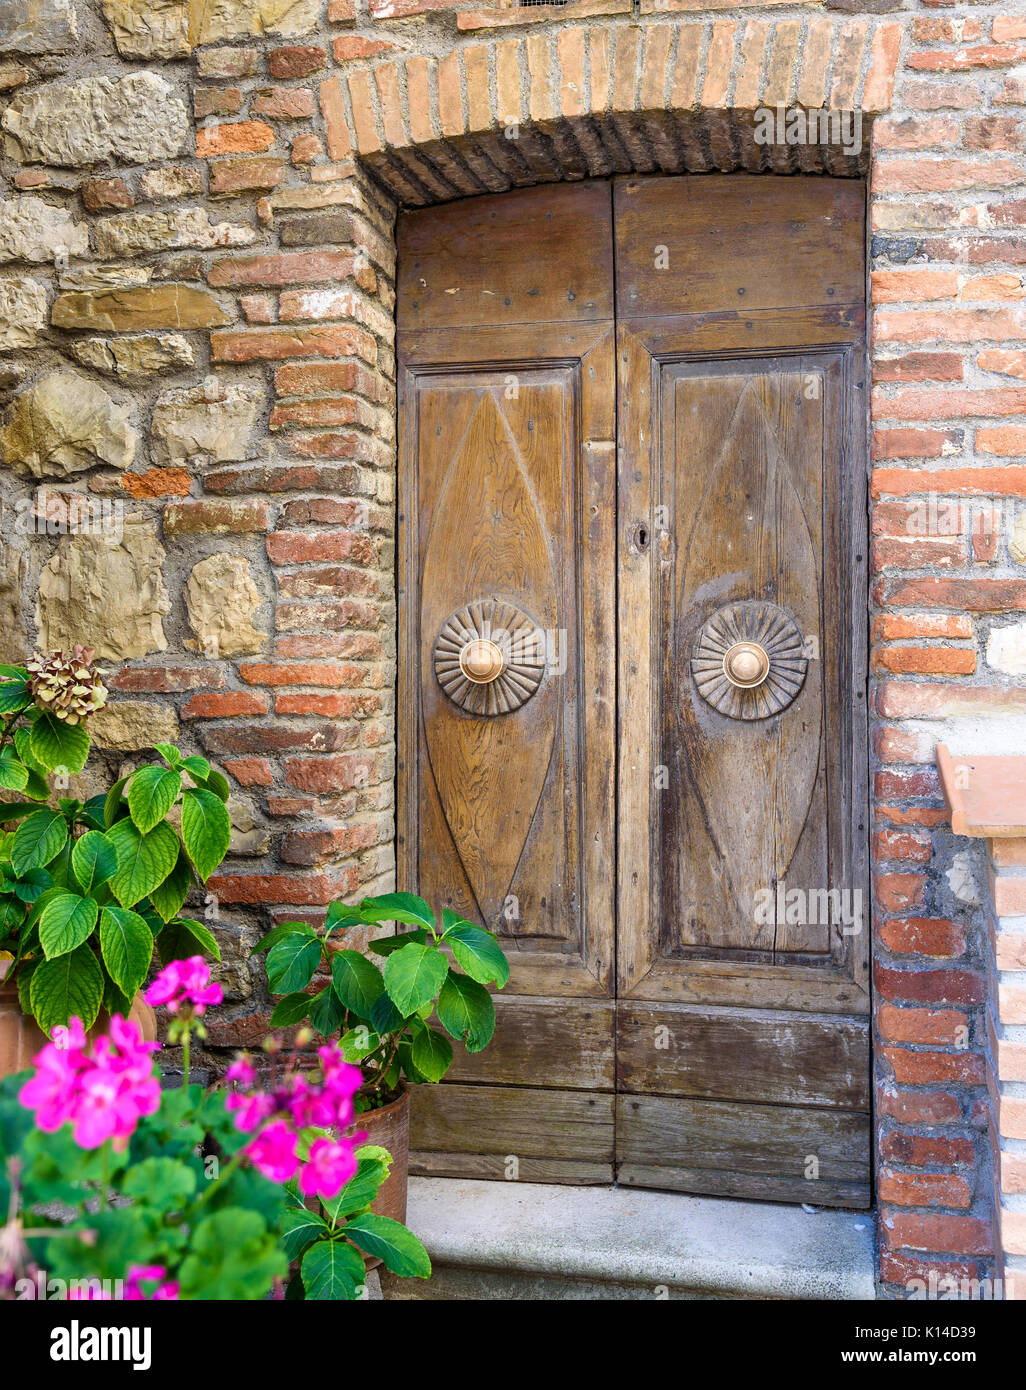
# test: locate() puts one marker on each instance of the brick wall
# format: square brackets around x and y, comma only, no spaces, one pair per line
[201,255]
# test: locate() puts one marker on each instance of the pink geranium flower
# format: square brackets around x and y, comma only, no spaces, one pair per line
[330,1167]
[155,1275]
[273,1152]
[101,1089]
[185,982]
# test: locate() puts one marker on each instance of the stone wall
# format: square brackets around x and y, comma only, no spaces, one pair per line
[196,360]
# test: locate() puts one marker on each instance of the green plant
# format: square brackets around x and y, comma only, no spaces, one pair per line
[382,1017]
[88,888]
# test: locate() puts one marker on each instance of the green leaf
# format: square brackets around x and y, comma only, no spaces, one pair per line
[32,885]
[12,914]
[398,907]
[65,922]
[13,775]
[181,936]
[466,1012]
[113,802]
[478,953]
[167,898]
[126,944]
[15,810]
[69,985]
[218,783]
[414,975]
[385,945]
[277,934]
[299,1227]
[144,861]
[206,829]
[38,839]
[163,1184]
[356,980]
[390,1241]
[197,768]
[57,744]
[94,860]
[326,1012]
[169,753]
[359,1042]
[294,1008]
[362,1187]
[432,1053]
[292,962]
[332,1271]
[151,794]
[232,1256]
[14,696]
[384,1015]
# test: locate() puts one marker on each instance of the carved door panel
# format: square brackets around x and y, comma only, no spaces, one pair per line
[742,1041]
[508,541]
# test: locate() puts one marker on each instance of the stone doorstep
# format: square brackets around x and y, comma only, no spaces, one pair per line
[536,1240]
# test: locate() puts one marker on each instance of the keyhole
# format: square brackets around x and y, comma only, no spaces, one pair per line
[641,536]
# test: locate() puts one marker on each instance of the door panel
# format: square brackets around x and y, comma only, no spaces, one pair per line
[742,822]
[507,789]
[657,492]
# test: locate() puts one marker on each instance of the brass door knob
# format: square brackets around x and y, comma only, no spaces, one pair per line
[481,661]
[746,664]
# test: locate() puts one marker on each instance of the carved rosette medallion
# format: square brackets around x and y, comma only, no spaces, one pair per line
[749,660]
[489,657]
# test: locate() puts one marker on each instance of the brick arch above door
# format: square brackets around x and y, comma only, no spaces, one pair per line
[596,99]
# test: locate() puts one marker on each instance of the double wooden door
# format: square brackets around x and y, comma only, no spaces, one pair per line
[631,696]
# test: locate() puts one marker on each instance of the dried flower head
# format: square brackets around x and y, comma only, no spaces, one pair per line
[68,686]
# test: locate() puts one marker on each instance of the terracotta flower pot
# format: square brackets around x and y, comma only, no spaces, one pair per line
[21,1037]
[389,1127]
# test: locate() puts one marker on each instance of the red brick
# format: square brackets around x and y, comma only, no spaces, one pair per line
[894,626]
[295,548]
[894,844]
[349,46]
[305,148]
[930,986]
[992,133]
[314,847]
[297,61]
[231,176]
[913,444]
[968,595]
[332,340]
[919,366]
[937,1068]
[963,482]
[915,133]
[937,1026]
[280,738]
[923,936]
[284,268]
[897,745]
[250,772]
[329,706]
[1005,440]
[1011,363]
[935,96]
[921,700]
[957,60]
[903,785]
[216,101]
[1006,28]
[238,137]
[282,888]
[918,1150]
[894,892]
[284,103]
[949,404]
[268,673]
[157,482]
[923,1189]
[231,704]
[897,286]
[167,679]
[918,1107]
[923,326]
[961,1235]
[330,774]
[913,552]
[214,518]
[919,1275]
[99,194]
[950,661]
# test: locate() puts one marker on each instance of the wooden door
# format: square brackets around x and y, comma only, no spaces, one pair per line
[507,790]
[742,1036]
[705,1045]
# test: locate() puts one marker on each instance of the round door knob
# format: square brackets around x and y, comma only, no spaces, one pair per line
[746,664]
[481,661]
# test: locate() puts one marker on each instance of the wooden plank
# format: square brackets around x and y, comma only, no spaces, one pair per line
[542,254]
[746,241]
[513,1121]
[560,1043]
[496,1168]
[779,1153]
[740,1055]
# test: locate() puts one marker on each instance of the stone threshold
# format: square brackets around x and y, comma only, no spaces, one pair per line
[496,1240]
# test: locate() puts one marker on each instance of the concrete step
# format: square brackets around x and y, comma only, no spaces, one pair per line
[495,1240]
